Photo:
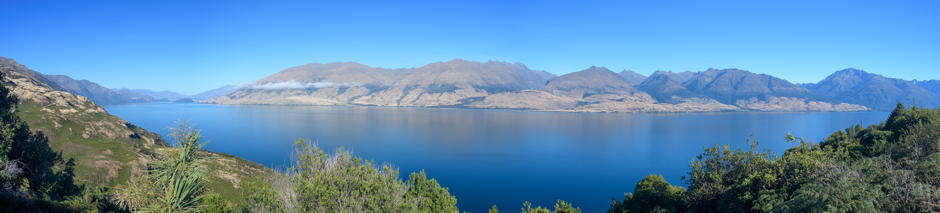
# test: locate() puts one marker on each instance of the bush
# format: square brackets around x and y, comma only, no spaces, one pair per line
[890,167]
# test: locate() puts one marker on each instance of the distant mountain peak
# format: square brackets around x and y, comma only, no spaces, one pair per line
[462,61]
[664,88]
[593,80]
[875,91]
[852,71]
[597,69]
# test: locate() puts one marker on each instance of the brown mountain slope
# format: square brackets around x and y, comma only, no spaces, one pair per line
[451,83]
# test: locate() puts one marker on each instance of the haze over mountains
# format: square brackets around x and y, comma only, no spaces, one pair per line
[106,96]
[493,84]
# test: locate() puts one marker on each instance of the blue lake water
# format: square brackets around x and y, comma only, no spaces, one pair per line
[501,157]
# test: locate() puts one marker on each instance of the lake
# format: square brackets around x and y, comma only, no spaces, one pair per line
[501,157]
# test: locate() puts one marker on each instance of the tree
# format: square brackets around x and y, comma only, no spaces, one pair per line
[430,195]
[32,175]
[320,182]
[889,167]
[651,193]
[260,196]
[560,207]
[174,183]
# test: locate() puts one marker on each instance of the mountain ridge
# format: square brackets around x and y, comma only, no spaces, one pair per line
[463,83]
[879,92]
[106,149]
[493,84]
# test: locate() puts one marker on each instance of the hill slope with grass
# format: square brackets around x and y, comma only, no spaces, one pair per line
[107,150]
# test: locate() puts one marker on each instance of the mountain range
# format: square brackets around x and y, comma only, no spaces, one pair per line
[107,96]
[494,84]
[106,149]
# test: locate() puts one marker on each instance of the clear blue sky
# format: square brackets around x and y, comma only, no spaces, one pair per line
[191,47]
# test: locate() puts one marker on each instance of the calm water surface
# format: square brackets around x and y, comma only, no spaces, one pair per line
[501,157]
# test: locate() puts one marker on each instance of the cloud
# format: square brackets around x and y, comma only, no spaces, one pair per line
[298,85]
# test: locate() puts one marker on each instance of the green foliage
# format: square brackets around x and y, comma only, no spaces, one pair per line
[174,183]
[651,193]
[431,196]
[560,207]
[213,203]
[32,175]
[95,199]
[320,182]
[928,170]
[726,180]
[890,167]
[260,196]
[343,183]
[527,208]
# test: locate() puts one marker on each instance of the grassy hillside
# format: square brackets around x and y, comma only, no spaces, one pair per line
[107,150]
[105,160]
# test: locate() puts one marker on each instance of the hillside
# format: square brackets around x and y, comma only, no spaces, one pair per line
[876,91]
[163,95]
[760,92]
[461,83]
[440,84]
[215,93]
[455,83]
[107,149]
[595,89]
[930,85]
[588,82]
[665,88]
[98,93]
[679,77]
[730,85]
[632,77]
